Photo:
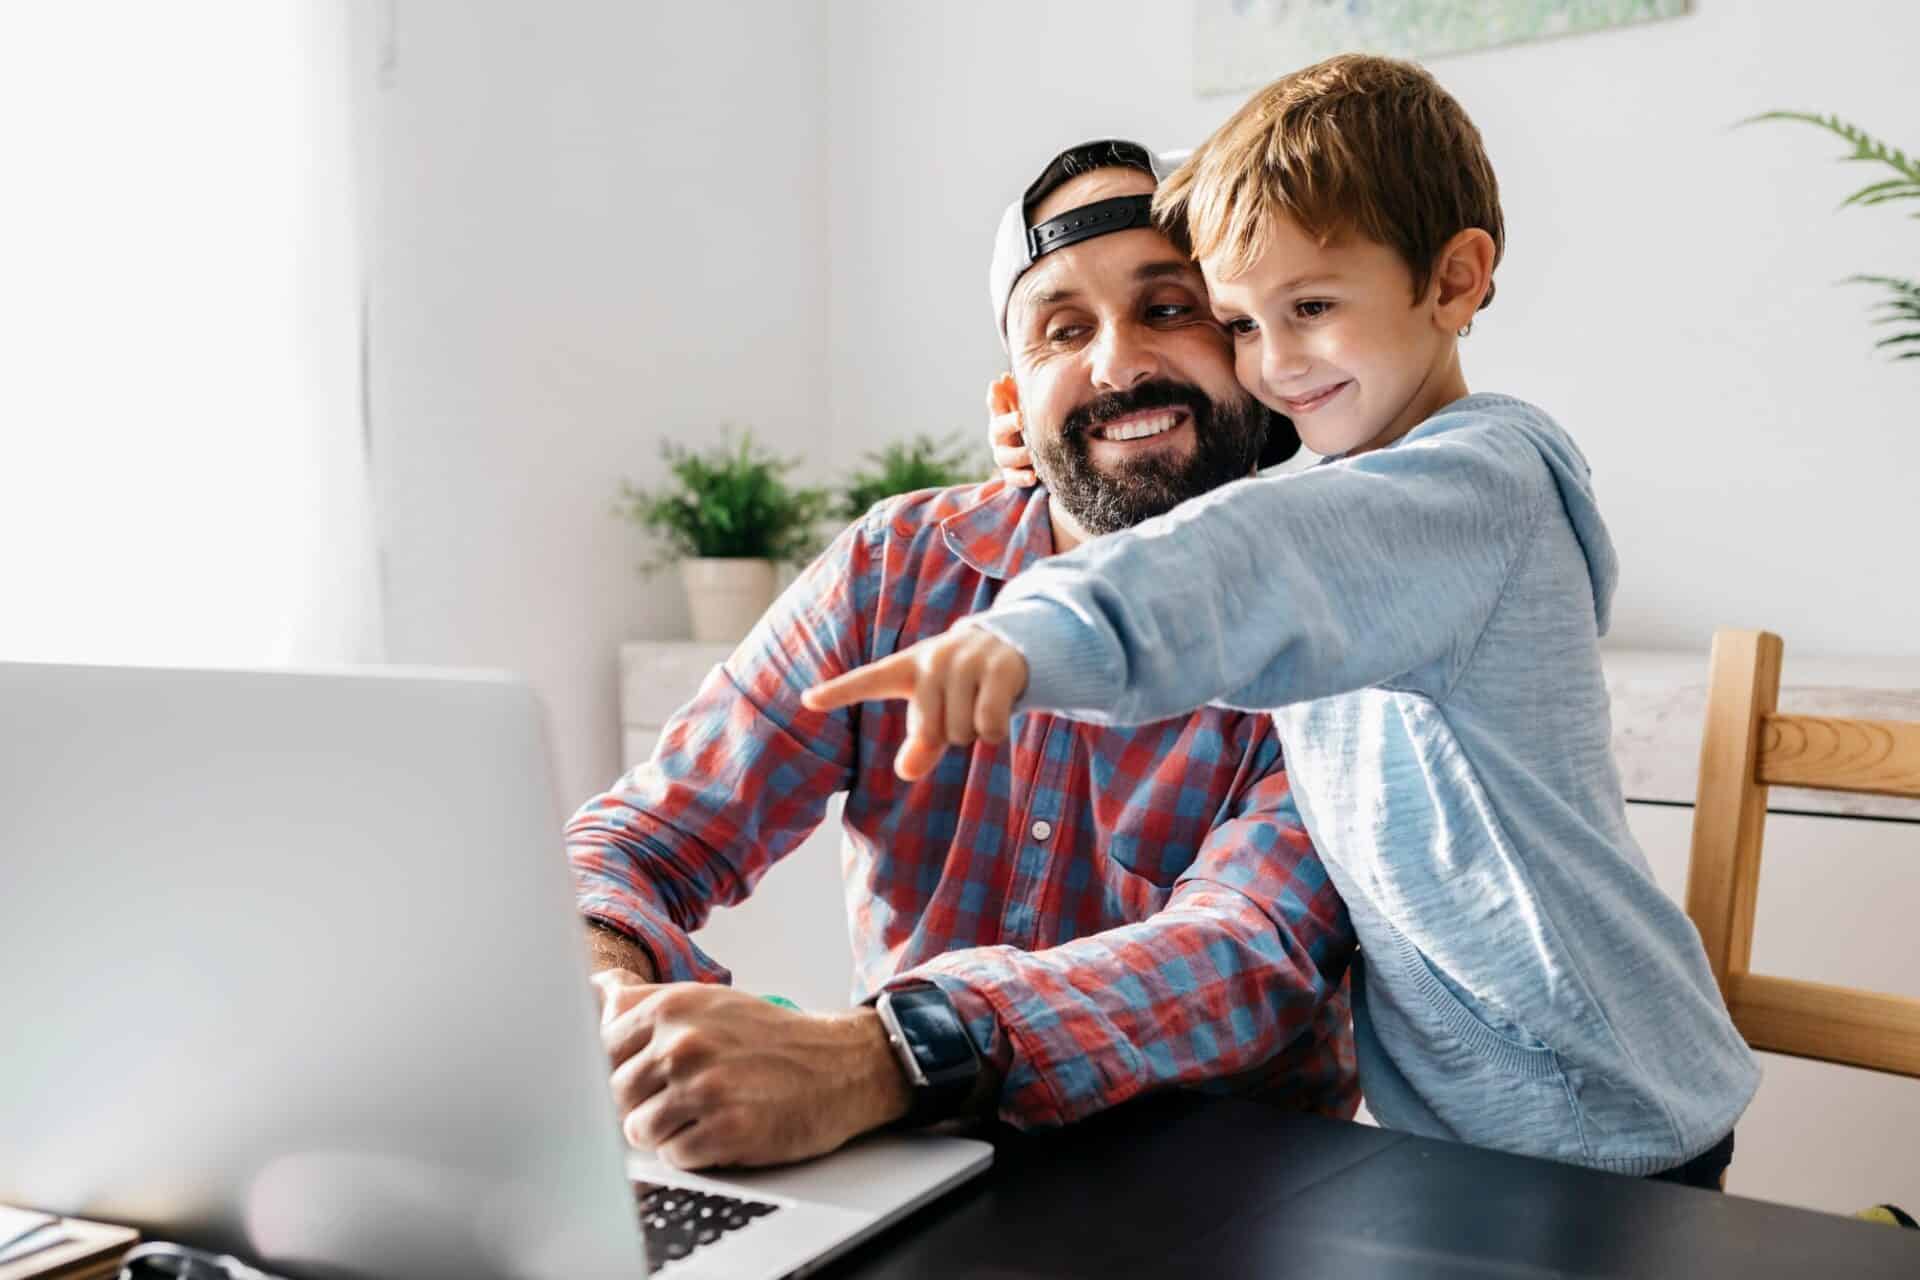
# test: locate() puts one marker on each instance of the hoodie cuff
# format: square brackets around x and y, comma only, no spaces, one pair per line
[1068,668]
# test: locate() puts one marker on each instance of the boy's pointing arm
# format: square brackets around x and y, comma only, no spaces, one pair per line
[1382,569]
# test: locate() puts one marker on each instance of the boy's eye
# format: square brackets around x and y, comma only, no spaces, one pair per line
[1312,309]
[1242,327]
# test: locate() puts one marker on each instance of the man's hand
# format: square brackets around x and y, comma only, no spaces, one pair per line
[960,686]
[708,1075]
[1006,433]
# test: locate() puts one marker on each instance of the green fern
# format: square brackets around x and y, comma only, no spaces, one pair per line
[728,502]
[1902,309]
[1904,186]
[904,466]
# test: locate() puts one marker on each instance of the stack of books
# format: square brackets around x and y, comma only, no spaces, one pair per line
[45,1246]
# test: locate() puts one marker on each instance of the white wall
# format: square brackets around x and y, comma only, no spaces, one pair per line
[599,225]
[1668,290]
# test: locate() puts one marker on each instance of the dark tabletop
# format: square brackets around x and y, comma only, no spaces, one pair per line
[1185,1185]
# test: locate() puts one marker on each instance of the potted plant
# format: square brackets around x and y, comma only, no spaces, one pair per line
[904,466]
[730,517]
[1899,305]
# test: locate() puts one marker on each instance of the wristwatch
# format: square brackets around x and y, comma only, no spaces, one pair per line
[934,1049]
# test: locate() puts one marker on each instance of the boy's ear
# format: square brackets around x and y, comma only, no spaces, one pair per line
[1462,274]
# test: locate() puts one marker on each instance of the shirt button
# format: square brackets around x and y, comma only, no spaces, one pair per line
[1041,830]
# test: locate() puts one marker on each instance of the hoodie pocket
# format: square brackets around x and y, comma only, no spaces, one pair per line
[1509,1050]
[1491,1086]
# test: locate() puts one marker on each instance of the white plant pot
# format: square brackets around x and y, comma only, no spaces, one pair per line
[727,596]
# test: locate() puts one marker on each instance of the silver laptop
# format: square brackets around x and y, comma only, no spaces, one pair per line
[289,966]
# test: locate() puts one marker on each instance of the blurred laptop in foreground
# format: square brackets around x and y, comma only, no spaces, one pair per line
[294,971]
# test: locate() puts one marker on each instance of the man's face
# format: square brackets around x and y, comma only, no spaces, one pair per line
[1127,391]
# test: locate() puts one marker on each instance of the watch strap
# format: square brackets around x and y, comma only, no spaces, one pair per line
[933,1103]
[911,1013]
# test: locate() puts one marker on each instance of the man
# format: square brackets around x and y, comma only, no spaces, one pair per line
[1050,924]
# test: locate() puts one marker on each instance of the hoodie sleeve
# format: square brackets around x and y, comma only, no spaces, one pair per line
[1376,570]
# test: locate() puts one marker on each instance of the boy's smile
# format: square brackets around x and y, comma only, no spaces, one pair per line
[1333,336]
[1298,405]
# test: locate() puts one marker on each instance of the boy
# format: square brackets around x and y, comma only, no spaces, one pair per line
[1421,615]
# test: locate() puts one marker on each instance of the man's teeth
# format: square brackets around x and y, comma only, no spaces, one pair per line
[1138,428]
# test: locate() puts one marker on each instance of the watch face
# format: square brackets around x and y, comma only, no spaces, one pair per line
[932,1030]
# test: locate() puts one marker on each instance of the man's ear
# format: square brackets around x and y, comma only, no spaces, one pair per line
[1462,274]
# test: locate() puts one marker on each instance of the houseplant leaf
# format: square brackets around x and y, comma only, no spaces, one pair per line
[905,466]
[728,503]
[1904,305]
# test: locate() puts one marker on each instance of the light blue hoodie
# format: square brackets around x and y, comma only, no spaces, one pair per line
[1423,623]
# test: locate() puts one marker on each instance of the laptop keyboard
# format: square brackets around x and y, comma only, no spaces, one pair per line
[678,1220]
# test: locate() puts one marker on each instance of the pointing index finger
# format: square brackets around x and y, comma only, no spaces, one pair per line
[891,677]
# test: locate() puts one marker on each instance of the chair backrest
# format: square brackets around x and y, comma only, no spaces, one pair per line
[1748,747]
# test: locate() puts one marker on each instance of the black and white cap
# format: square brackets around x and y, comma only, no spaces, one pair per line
[1017,245]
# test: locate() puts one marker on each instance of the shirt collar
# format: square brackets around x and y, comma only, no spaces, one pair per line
[1003,532]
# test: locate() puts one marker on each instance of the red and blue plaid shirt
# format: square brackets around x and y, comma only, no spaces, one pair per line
[1111,910]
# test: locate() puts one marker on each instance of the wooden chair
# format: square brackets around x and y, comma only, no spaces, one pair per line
[1748,747]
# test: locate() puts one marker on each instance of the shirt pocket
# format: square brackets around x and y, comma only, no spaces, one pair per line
[1158,862]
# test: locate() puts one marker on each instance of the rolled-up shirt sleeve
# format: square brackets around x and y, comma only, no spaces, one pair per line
[742,774]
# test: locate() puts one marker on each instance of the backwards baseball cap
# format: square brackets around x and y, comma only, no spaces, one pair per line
[1017,245]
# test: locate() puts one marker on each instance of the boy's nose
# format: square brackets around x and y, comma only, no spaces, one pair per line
[1281,363]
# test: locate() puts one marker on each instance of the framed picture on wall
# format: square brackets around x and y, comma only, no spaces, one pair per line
[1242,44]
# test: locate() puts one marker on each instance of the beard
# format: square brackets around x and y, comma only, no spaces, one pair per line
[1227,437]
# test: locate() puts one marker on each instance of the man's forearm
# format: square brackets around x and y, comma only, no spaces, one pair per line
[1067,1049]
[608,948]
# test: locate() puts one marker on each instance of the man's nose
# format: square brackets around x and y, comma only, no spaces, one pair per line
[1123,357]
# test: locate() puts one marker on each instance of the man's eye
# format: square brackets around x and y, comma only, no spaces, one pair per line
[1169,311]
[1066,333]
[1312,310]
[1242,327]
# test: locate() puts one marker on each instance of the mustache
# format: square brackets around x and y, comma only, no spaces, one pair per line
[1158,394]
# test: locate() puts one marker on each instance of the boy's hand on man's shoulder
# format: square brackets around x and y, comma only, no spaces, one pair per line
[1006,434]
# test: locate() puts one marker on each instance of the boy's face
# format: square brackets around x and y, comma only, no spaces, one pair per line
[1333,337]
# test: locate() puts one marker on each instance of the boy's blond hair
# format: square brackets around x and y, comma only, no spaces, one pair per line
[1353,145]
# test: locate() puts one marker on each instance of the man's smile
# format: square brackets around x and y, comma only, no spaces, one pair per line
[1144,425]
